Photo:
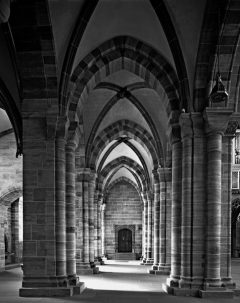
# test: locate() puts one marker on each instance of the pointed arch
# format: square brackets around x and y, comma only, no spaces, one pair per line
[122,52]
[129,163]
[116,130]
[126,92]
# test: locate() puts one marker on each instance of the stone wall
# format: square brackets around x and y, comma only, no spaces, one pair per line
[10,190]
[10,166]
[123,207]
[10,243]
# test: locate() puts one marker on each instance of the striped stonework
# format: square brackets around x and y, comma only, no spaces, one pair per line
[123,128]
[127,53]
[136,169]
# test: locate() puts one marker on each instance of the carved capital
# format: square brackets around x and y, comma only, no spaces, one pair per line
[185,122]
[231,128]
[216,119]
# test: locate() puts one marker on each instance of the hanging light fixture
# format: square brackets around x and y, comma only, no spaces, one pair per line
[219,94]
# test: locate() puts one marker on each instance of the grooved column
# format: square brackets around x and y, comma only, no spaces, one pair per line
[103,207]
[199,200]
[145,228]
[176,217]
[214,149]
[95,224]
[165,176]
[70,209]
[79,215]
[187,195]
[60,207]
[216,124]
[91,216]
[86,218]
[156,190]
[99,235]
[226,209]
[149,240]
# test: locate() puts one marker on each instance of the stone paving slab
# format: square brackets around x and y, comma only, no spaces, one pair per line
[116,283]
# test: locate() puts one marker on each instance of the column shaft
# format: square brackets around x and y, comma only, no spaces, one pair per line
[60,208]
[70,209]
[85,220]
[156,190]
[149,240]
[91,217]
[214,150]
[176,217]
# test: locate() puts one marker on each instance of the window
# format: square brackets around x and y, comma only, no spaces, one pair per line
[235,180]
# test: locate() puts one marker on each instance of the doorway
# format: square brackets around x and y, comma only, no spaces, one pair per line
[125,240]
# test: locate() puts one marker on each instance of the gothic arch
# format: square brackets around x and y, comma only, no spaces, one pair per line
[213,34]
[108,186]
[13,113]
[129,163]
[10,195]
[119,53]
[116,130]
[123,92]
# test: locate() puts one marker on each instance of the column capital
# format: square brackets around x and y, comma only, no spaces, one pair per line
[185,122]
[216,119]
[62,127]
[165,174]
[73,134]
[197,124]
[103,207]
[155,175]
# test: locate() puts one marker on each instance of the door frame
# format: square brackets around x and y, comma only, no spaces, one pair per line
[117,228]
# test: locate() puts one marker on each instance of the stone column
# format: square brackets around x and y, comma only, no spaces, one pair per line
[44,255]
[216,124]
[95,222]
[165,177]
[149,240]
[176,217]
[226,209]
[91,188]
[60,207]
[187,196]
[156,215]
[99,235]
[145,228]
[83,265]
[71,207]
[79,212]
[103,207]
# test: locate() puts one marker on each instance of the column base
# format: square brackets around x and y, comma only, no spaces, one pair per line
[176,288]
[52,291]
[160,270]
[149,262]
[86,269]
[216,292]
[143,261]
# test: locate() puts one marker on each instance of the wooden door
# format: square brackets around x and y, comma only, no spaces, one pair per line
[125,240]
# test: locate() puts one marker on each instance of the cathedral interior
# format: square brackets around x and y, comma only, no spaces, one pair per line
[120,140]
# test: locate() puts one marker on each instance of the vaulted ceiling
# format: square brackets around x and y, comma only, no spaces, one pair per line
[155,53]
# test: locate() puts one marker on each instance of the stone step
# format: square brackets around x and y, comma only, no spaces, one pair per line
[125,256]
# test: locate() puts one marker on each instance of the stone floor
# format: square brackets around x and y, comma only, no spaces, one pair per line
[117,282]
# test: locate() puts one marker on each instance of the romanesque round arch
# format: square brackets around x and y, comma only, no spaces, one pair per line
[116,130]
